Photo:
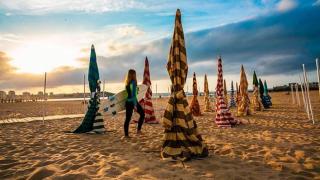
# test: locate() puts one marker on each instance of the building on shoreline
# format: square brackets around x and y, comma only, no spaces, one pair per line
[312,86]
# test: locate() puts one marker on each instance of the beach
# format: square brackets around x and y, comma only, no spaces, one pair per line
[278,143]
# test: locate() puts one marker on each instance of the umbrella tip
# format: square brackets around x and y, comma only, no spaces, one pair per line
[219,58]
[178,12]
[92,46]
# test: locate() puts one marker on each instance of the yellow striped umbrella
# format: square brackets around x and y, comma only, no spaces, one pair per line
[207,104]
[181,138]
[244,101]
[195,106]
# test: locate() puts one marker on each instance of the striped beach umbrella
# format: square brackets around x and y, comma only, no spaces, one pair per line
[266,93]
[207,103]
[181,138]
[232,101]
[223,116]
[194,106]
[146,102]
[93,120]
[257,106]
[243,108]
[264,99]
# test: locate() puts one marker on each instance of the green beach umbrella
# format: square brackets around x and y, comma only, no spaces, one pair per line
[93,71]
[255,79]
[265,88]
[261,88]
[266,94]
[93,120]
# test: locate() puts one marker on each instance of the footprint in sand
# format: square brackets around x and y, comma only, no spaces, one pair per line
[41,173]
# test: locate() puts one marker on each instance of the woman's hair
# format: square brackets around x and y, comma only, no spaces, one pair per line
[131,76]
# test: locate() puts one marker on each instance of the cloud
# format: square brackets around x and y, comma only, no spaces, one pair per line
[317,3]
[5,68]
[129,31]
[9,37]
[274,45]
[38,7]
[286,5]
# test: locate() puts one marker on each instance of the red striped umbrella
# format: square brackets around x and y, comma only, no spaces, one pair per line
[146,102]
[223,117]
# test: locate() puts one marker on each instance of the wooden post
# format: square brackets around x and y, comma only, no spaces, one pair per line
[157,91]
[104,83]
[306,107]
[84,93]
[292,95]
[318,74]
[44,97]
[308,93]
[297,94]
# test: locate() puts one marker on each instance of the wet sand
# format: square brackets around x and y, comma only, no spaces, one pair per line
[278,143]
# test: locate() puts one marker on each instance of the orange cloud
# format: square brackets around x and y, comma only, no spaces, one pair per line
[5,66]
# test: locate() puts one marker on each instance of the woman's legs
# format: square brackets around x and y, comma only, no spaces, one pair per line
[129,111]
[141,113]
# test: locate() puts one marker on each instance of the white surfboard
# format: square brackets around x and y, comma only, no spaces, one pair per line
[116,103]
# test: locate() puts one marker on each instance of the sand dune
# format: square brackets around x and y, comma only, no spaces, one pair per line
[278,143]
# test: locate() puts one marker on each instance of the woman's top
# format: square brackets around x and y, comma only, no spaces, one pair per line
[132,92]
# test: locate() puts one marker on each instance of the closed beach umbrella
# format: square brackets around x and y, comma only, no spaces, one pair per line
[207,103]
[181,138]
[93,75]
[257,106]
[146,102]
[93,120]
[264,98]
[244,101]
[266,93]
[223,118]
[195,107]
[232,101]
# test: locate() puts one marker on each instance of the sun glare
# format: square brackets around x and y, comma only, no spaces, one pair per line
[43,56]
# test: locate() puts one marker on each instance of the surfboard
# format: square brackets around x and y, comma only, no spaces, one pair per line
[116,103]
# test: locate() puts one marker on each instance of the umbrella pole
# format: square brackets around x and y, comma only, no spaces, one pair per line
[308,93]
[318,74]
[297,94]
[306,108]
[156,103]
[84,93]
[104,83]
[44,97]
[292,94]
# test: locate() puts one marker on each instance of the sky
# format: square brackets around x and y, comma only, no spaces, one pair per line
[272,37]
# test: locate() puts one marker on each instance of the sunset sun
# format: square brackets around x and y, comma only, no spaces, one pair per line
[43,56]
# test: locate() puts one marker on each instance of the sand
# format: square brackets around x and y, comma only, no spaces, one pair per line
[35,109]
[278,143]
